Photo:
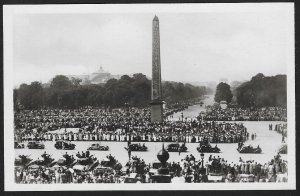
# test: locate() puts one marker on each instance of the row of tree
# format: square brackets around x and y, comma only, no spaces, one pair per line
[260,91]
[70,93]
[263,91]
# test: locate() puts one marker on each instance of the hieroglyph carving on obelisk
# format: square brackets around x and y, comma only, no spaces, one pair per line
[156,90]
[156,70]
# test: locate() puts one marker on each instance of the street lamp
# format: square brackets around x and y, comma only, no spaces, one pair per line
[202,115]
[202,164]
[182,116]
[127,130]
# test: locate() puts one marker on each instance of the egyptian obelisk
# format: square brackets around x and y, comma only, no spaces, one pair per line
[156,90]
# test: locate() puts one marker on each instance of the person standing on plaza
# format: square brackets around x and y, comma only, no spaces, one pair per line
[283,140]
[129,153]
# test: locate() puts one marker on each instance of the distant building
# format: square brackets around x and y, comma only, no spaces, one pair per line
[82,77]
[99,77]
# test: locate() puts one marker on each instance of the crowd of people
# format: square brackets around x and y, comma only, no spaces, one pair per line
[48,119]
[126,125]
[279,128]
[111,129]
[189,170]
[246,114]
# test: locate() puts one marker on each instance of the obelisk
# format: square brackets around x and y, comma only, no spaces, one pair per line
[156,90]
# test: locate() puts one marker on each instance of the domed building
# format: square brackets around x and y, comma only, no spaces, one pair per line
[99,77]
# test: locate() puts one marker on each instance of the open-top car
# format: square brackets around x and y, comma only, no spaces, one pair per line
[249,149]
[136,147]
[85,164]
[35,145]
[19,145]
[46,161]
[208,148]
[111,162]
[283,149]
[63,145]
[22,161]
[98,147]
[204,146]
[176,148]
[67,161]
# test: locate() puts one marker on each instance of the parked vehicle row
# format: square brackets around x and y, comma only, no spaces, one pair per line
[173,147]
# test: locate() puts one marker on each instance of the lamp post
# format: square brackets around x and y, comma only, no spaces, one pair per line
[129,141]
[182,116]
[202,115]
[202,160]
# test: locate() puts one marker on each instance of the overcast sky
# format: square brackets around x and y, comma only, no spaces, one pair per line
[194,46]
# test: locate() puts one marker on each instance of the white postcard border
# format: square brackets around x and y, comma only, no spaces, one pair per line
[10,10]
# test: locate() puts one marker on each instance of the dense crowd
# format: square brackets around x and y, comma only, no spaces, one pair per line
[188,170]
[119,125]
[281,129]
[86,117]
[95,124]
[246,114]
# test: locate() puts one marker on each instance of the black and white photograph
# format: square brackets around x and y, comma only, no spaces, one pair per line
[149,97]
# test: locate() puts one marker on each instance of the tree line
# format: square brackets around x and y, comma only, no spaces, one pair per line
[263,91]
[63,92]
[260,91]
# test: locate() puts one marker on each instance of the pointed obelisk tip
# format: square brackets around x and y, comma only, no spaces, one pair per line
[155,18]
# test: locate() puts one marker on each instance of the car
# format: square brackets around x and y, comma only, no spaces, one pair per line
[85,164]
[19,145]
[63,145]
[67,161]
[283,149]
[35,145]
[136,147]
[249,149]
[22,161]
[176,148]
[46,160]
[208,148]
[98,147]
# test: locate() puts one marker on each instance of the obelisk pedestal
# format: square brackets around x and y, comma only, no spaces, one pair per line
[156,90]
[156,111]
